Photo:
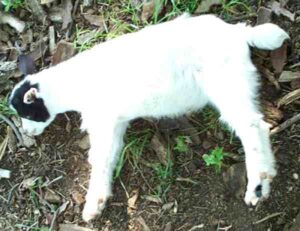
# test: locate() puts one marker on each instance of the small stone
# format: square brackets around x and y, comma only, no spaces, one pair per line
[295,176]
[78,198]
[52,197]
[206,144]
[84,143]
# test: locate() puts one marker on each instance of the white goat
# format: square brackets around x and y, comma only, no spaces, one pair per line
[163,70]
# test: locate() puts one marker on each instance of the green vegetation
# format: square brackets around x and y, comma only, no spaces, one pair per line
[135,145]
[164,173]
[12,4]
[4,107]
[215,158]
[182,144]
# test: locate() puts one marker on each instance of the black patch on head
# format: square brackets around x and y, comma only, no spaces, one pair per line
[35,111]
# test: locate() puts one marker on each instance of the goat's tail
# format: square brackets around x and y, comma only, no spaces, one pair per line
[266,36]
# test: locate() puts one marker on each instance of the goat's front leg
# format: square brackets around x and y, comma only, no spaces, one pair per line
[106,143]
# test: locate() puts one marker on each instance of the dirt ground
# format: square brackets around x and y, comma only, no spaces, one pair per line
[153,192]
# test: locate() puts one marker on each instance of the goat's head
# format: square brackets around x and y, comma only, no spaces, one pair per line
[28,102]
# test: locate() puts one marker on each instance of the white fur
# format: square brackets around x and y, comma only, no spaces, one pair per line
[164,70]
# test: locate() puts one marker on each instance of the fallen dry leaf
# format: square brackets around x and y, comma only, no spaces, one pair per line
[289,98]
[71,227]
[278,58]
[279,10]
[269,75]
[273,115]
[95,20]
[154,199]
[78,198]
[84,142]
[160,147]
[63,52]
[52,197]
[143,223]
[263,15]
[17,24]
[132,202]
[148,10]
[38,49]
[37,10]
[12,140]
[288,76]
[67,6]
[205,5]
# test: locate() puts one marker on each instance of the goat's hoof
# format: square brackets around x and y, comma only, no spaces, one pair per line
[91,210]
[259,189]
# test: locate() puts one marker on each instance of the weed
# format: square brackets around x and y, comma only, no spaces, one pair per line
[182,144]
[233,7]
[164,174]
[86,39]
[135,145]
[12,4]
[4,107]
[215,158]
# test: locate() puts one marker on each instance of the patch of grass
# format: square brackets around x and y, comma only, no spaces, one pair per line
[86,38]
[234,7]
[182,144]
[135,145]
[174,8]
[12,4]
[215,158]
[164,173]
[4,107]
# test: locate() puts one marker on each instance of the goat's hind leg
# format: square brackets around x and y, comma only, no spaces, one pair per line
[106,143]
[239,110]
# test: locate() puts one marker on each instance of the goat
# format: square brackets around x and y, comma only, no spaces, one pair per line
[163,70]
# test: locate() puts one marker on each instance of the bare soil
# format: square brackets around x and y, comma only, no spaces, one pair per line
[193,197]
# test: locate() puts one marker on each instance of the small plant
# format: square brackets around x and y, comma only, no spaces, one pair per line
[135,145]
[215,158]
[182,144]
[164,174]
[12,4]
[4,108]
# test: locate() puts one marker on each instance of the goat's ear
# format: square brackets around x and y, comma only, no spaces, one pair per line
[26,65]
[30,96]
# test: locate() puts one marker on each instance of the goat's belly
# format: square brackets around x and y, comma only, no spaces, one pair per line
[171,105]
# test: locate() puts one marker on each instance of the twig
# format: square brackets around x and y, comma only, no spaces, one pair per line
[13,127]
[201,226]
[285,124]
[295,65]
[267,218]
